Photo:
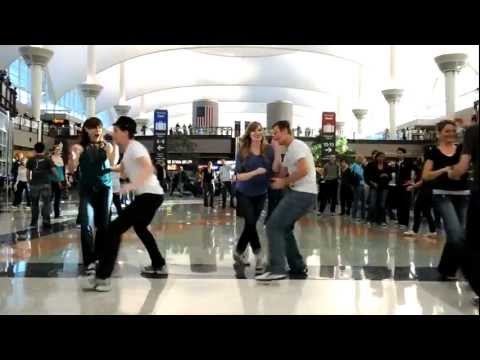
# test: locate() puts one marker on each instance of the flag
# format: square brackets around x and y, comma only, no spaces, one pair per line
[204,116]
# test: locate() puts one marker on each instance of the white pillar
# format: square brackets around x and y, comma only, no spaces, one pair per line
[450,65]
[393,64]
[37,59]
[122,109]
[279,110]
[90,89]
[360,116]
[393,96]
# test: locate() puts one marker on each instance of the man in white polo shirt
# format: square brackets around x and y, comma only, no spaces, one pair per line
[297,173]
[137,166]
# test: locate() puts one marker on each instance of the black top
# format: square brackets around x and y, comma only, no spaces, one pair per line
[403,171]
[470,147]
[207,176]
[380,177]
[346,177]
[368,171]
[41,168]
[440,161]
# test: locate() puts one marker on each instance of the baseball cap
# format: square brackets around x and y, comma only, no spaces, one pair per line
[126,123]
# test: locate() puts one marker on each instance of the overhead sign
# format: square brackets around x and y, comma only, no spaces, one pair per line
[328,133]
[160,131]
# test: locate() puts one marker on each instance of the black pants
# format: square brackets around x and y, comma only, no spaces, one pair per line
[174,187]
[330,187]
[251,208]
[227,186]
[404,203]
[423,208]
[117,202]
[274,197]
[208,193]
[21,186]
[57,196]
[392,203]
[346,199]
[138,214]
[471,259]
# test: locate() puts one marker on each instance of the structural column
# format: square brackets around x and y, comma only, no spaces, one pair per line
[142,120]
[279,111]
[360,116]
[393,97]
[122,109]
[37,59]
[450,65]
[205,114]
[90,89]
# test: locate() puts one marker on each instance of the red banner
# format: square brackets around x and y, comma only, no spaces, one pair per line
[328,123]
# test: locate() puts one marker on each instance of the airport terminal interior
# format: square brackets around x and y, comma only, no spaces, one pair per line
[193,107]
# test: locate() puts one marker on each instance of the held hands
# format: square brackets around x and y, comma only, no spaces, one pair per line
[278,183]
[259,171]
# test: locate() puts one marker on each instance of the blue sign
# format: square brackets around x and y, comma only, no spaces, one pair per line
[160,130]
[160,120]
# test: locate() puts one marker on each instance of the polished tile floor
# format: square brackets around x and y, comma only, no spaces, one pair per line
[353,269]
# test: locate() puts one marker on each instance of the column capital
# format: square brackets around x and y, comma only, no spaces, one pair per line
[359,113]
[392,95]
[122,110]
[90,90]
[451,62]
[34,55]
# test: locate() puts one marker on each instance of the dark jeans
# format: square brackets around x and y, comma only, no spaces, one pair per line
[175,185]
[346,198]
[94,213]
[453,211]
[208,193]
[376,209]
[57,196]
[117,202]
[392,202]
[471,260]
[423,207]
[138,214]
[21,186]
[281,240]
[330,187]
[251,208]
[404,203]
[41,193]
[227,187]
[274,196]
[358,202]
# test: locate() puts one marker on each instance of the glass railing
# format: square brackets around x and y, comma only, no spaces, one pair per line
[211,131]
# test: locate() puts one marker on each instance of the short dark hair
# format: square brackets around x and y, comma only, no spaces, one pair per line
[126,123]
[441,125]
[39,147]
[379,153]
[374,152]
[282,125]
[403,150]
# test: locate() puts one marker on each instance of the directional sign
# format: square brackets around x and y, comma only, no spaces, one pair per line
[160,136]
[328,133]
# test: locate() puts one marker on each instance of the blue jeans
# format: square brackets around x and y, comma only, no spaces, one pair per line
[94,213]
[453,211]
[41,193]
[358,202]
[281,241]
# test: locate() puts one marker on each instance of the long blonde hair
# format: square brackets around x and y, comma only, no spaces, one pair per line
[246,141]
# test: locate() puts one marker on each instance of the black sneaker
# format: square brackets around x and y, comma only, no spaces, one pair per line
[151,271]
[299,274]
[47,225]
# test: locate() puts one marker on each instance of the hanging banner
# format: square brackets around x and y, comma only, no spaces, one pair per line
[237,128]
[328,133]
[160,131]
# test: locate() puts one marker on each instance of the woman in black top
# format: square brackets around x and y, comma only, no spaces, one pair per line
[450,197]
[208,187]
[378,180]
[346,187]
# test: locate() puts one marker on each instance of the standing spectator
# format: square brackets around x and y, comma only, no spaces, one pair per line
[21,185]
[208,185]
[184,128]
[358,183]
[346,188]
[190,129]
[450,196]
[15,165]
[161,175]
[404,174]
[40,169]
[378,183]
[226,184]
[369,169]
[58,181]
[331,176]
[177,129]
